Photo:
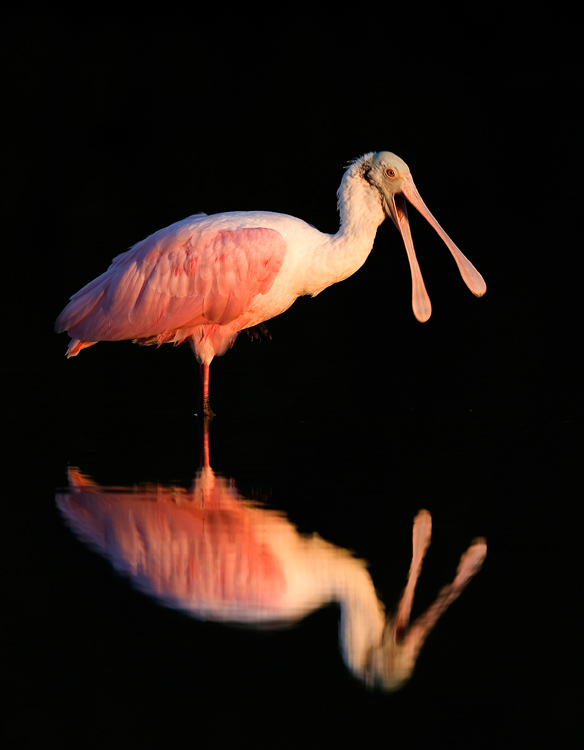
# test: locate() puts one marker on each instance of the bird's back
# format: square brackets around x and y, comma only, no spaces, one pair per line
[185,555]
[201,270]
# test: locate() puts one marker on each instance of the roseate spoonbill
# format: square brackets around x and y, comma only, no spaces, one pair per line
[206,278]
[216,556]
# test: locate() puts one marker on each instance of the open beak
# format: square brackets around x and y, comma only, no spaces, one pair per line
[395,207]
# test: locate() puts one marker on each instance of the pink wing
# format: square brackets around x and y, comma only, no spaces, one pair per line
[182,276]
[185,556]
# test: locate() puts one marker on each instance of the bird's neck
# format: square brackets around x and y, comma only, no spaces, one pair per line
[362,619]
[361,214]
[334,575]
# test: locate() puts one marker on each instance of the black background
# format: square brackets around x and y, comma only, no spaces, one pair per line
[118,125]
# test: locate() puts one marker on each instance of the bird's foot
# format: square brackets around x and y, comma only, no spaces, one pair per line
[204,410]
[256,332]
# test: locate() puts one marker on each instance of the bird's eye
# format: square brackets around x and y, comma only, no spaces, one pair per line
[390,172]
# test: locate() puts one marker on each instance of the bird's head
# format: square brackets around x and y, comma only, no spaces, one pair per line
[391,176]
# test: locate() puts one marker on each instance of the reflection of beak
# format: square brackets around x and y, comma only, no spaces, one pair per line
[395,207]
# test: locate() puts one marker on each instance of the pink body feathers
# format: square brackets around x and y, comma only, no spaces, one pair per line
[189,554]
[184,281]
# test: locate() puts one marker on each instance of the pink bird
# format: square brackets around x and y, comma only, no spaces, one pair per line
[216,556]
[206,278]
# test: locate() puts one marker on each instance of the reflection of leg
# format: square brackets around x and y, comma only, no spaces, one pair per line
[204,407]
[421,535]
[204,424]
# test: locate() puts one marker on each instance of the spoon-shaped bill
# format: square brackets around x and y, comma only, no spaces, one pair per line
[396,662]
[469,273]
[421,535]
[421,304]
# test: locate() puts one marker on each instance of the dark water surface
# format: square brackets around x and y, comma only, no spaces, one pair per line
[106,663]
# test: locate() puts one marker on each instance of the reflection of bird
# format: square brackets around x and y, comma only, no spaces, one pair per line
[216,556]
[207,278]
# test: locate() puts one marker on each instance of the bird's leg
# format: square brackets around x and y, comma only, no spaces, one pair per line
[204,407]
[204,425]
[255,332]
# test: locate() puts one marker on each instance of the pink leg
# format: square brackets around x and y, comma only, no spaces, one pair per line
[203,428]
[204,408]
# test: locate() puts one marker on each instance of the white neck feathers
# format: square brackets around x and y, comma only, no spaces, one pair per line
[359,205]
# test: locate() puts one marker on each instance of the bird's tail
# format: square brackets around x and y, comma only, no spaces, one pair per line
[76,345]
